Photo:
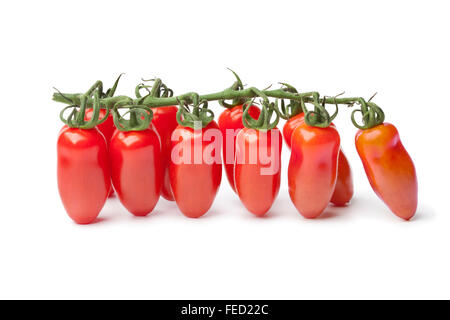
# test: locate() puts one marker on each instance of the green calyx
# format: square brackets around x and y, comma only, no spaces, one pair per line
[199,117]
[77,115]
[294,107]
[139,119]
[319,117]
[157,90]
[372,115]
[268,109]
[90,99]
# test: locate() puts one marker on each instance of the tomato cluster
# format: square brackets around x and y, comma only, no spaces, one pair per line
[139,165]
[142,164]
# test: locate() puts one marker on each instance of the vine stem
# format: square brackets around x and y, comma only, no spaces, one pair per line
[228,94]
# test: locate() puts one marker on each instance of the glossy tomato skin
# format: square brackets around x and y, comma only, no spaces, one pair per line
[256,184]
[107,127]
[165,121]
[291,125]
[389,168]
[312,171]
[83,173]
[136,169]
[343,191]
[231,119]
[195,180]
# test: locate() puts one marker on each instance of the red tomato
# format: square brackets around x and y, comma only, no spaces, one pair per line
[312,168]
[83,173]
[343,192]
[389,168]
[291,125]
[231,119]
[165,121]
[195,177]
[107,127]
[136,169]
[257,168]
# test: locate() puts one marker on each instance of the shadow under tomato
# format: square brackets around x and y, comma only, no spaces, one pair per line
[250,216]
[424,215]
[96,221]
[348,204]
[328,214]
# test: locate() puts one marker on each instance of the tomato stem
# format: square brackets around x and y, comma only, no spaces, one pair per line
[159,95]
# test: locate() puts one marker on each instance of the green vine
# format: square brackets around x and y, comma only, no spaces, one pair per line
[193,108]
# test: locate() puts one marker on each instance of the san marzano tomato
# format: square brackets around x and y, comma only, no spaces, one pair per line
[165,121]
[312,171]
[343,191]
[195,173]
[291,125]
[136,169]
[389,168]
[107,127]
[83,173]
[231,120]
[257,168]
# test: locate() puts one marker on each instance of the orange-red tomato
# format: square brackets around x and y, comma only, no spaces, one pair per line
[231,119]
[136,169]
[165,122]
[343,191]
[257,168]
[195,177]
[83,173]
[389,168]
[312,171]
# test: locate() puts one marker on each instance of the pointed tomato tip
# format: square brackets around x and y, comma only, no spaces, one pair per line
[310,216]
[85,221]
[139,214]
[259,214]
[408,218]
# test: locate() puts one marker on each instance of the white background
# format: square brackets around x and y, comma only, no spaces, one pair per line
[399,49]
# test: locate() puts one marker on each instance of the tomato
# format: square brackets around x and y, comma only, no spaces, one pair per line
[291,125]
[195,173]
[107,127]
[257,168]
[389,168]
[136,169]
[343,191]
[165,122]
[83,173]
[231,120]
[312,171]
